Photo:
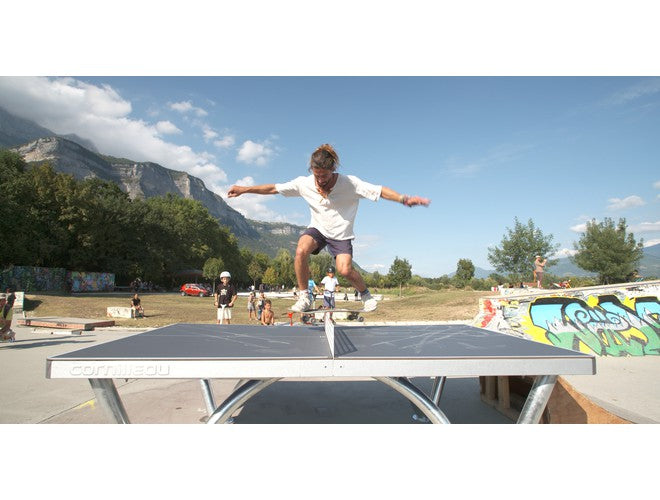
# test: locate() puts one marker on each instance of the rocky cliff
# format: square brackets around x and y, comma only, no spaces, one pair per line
[147,179]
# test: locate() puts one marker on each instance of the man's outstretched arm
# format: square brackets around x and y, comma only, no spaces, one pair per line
[409,201]
[235,191]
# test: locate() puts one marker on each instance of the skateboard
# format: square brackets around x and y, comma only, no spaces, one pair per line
[309,316]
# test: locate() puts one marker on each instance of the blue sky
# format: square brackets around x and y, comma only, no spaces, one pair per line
[543,135]
[558,150]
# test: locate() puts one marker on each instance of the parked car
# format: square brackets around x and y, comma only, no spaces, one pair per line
[195,290]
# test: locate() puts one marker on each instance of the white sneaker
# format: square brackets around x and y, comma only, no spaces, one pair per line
[370,304]
[303,304]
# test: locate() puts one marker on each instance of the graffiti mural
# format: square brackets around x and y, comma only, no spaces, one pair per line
[91,282]
[607,321]
[602,324]
[31,279]
[42,279]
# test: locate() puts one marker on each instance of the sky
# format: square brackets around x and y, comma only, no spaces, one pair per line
[559,150]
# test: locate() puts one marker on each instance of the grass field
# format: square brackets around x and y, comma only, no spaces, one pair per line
[167,308]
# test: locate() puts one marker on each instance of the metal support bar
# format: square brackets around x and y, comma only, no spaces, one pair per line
[436,390]
[537,399]
[416,396]
[209,401]
[108,397]
[237,399]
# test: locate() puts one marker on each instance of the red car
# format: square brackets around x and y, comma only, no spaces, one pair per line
[194,289]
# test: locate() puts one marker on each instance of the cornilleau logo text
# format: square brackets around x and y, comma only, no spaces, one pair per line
[109,371]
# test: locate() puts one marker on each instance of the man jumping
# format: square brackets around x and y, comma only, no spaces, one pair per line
[333,200]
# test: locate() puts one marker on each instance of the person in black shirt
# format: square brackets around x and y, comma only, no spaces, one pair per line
[225,296]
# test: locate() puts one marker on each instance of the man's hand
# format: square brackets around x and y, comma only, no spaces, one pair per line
[411,201]
[235,191]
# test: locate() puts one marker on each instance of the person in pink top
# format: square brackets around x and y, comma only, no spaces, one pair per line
[333,200]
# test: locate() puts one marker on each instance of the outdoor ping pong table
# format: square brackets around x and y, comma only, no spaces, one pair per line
[260,356]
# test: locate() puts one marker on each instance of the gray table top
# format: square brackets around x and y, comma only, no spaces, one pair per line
[243,342]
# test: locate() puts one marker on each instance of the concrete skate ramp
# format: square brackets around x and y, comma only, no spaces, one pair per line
[614,320]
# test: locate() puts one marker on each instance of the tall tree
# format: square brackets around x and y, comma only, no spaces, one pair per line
[464,271]
[518,248]
[400,272]
[609,250]
[212,269]
[283,264]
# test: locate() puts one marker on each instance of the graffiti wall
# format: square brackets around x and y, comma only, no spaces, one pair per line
[32,279]
[91,282]
[609,321]
[44,279]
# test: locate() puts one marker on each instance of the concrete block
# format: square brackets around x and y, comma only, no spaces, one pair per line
[119,312]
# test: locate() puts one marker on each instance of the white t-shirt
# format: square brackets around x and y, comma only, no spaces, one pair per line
[330,284]
[332,216]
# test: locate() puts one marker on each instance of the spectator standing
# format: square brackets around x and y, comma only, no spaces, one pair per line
[539,265]
[261,303]
[251,306]
[225,296]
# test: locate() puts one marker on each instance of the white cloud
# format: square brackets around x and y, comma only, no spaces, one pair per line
[98,113]
[255,153]
[628,202]
[167,127]
[656,184]
[647,86]
[381,268]
[645,227]
[209,133]
[253,206]
[187,107]
[579,228]
[564,252]
[226,142]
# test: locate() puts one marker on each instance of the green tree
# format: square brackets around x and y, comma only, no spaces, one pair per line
[283,264]
[400,272]
[270,276]
[609,250]
[212,269]
[254,272]
[518,248]
[464,272]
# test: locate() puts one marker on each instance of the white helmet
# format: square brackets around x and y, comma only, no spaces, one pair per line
[225,274]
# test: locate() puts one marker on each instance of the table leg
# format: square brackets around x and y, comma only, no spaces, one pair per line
[108,397]
[208,396]
[537,399]
[416,396]
[438,387]
[237,399]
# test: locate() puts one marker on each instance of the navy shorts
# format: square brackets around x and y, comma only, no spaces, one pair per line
[335,247]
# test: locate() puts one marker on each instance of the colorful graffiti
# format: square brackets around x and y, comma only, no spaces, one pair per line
[32,279]
[91,282]
[42,279]
[608,321]
[602,324]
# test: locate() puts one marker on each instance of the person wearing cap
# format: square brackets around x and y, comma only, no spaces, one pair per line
[333,200]
[330,286]
[225,296]
[539,265]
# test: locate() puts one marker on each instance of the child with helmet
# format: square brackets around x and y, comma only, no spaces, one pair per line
[225,296]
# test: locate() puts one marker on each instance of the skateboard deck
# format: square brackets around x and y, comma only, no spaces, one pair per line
[321,310]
